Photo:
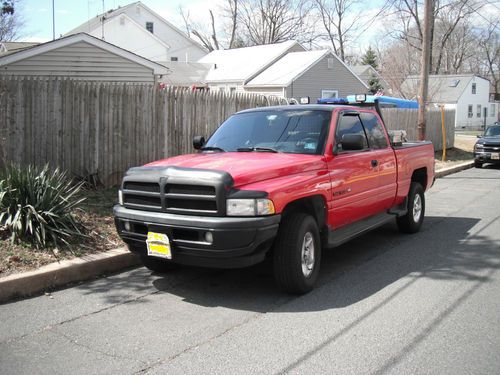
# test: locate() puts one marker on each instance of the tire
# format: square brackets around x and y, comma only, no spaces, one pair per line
[412,221]
[478,164]
[157,265]
[297,254]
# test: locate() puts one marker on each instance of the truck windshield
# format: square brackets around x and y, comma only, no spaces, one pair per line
[492,131]
[291,131]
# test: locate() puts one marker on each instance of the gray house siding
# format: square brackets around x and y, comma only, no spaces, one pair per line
[320,77]
[83,61]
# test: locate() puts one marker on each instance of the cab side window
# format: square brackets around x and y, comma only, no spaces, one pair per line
[349,124]
[374,131]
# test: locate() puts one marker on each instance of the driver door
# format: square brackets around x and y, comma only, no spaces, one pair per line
[353,175]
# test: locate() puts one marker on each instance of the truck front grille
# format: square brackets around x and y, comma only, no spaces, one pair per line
[139,200]
[491,148]
[171,197]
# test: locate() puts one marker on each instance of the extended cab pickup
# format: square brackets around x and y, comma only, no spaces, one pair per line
[285,182]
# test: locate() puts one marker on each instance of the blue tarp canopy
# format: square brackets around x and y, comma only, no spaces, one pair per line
[384,101]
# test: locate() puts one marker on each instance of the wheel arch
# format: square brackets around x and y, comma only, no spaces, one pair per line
[420,176]
[314,205]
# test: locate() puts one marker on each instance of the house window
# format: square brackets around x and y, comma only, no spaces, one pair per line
[222,88]
[149,26]
[329,94]
[470,114]
[473,88]
[492,110]
[330,63]
[174,58]
[478,112]
[232,89]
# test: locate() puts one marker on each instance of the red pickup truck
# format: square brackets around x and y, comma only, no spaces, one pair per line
[284,182]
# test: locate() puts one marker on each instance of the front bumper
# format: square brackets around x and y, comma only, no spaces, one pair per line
[485,157]
[237,241]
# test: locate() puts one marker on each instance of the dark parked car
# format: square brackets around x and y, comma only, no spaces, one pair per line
[487,147]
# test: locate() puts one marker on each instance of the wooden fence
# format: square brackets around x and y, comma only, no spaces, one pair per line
[406,119]
[98,130]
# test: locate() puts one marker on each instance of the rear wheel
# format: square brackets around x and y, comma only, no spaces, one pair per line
[297,254]
[412,221]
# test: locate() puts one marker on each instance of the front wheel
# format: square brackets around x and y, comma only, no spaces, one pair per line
[412,221]
[478,164]
[297,254]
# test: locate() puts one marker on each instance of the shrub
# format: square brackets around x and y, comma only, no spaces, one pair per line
[37,205]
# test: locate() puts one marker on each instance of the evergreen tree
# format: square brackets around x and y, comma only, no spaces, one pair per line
[370,58]
[374,85]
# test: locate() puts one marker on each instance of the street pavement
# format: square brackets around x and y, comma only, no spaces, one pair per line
[427,303]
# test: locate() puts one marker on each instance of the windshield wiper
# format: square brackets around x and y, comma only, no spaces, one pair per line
[259,149]
[209,148]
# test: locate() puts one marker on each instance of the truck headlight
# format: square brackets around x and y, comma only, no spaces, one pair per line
[120,197]
[249,207]
[478,146]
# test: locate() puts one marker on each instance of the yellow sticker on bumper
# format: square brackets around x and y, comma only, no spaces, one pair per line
[159,245]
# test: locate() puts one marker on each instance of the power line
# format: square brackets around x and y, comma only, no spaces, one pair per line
[495,26]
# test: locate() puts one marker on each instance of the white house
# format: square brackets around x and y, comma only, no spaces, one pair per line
[316,74]
[137,28]
[232,69]
[467,94]
[81,57]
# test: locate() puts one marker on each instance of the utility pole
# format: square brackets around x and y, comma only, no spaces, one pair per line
[53,21]
[425,65]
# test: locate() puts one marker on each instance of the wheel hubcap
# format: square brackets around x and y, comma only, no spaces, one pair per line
[308,254]
[417,208]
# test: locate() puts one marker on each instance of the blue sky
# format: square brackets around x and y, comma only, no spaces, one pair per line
[71,13]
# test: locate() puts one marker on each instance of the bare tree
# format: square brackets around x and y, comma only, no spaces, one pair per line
[209,36]
[490,47]
[231,12]
[397,62]
[342,22]
[274,21]
[11,23]
[209,39]
[461,47]
[447,16]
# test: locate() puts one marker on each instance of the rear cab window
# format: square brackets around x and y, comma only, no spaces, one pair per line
[374,131]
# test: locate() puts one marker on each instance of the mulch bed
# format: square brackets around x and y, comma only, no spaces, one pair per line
[96,217]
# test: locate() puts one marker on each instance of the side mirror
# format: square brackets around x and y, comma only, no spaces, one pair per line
[198,141]
[352,142]
[479,136]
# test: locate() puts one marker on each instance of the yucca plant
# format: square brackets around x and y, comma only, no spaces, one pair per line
[37,205]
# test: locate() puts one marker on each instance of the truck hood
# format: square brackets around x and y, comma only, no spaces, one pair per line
[247,167]
[493,141]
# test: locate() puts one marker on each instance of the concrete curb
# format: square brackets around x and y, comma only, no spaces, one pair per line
[65,272]
[456,168]
[90,266]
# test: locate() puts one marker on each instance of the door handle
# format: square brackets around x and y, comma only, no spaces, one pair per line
[374,163]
